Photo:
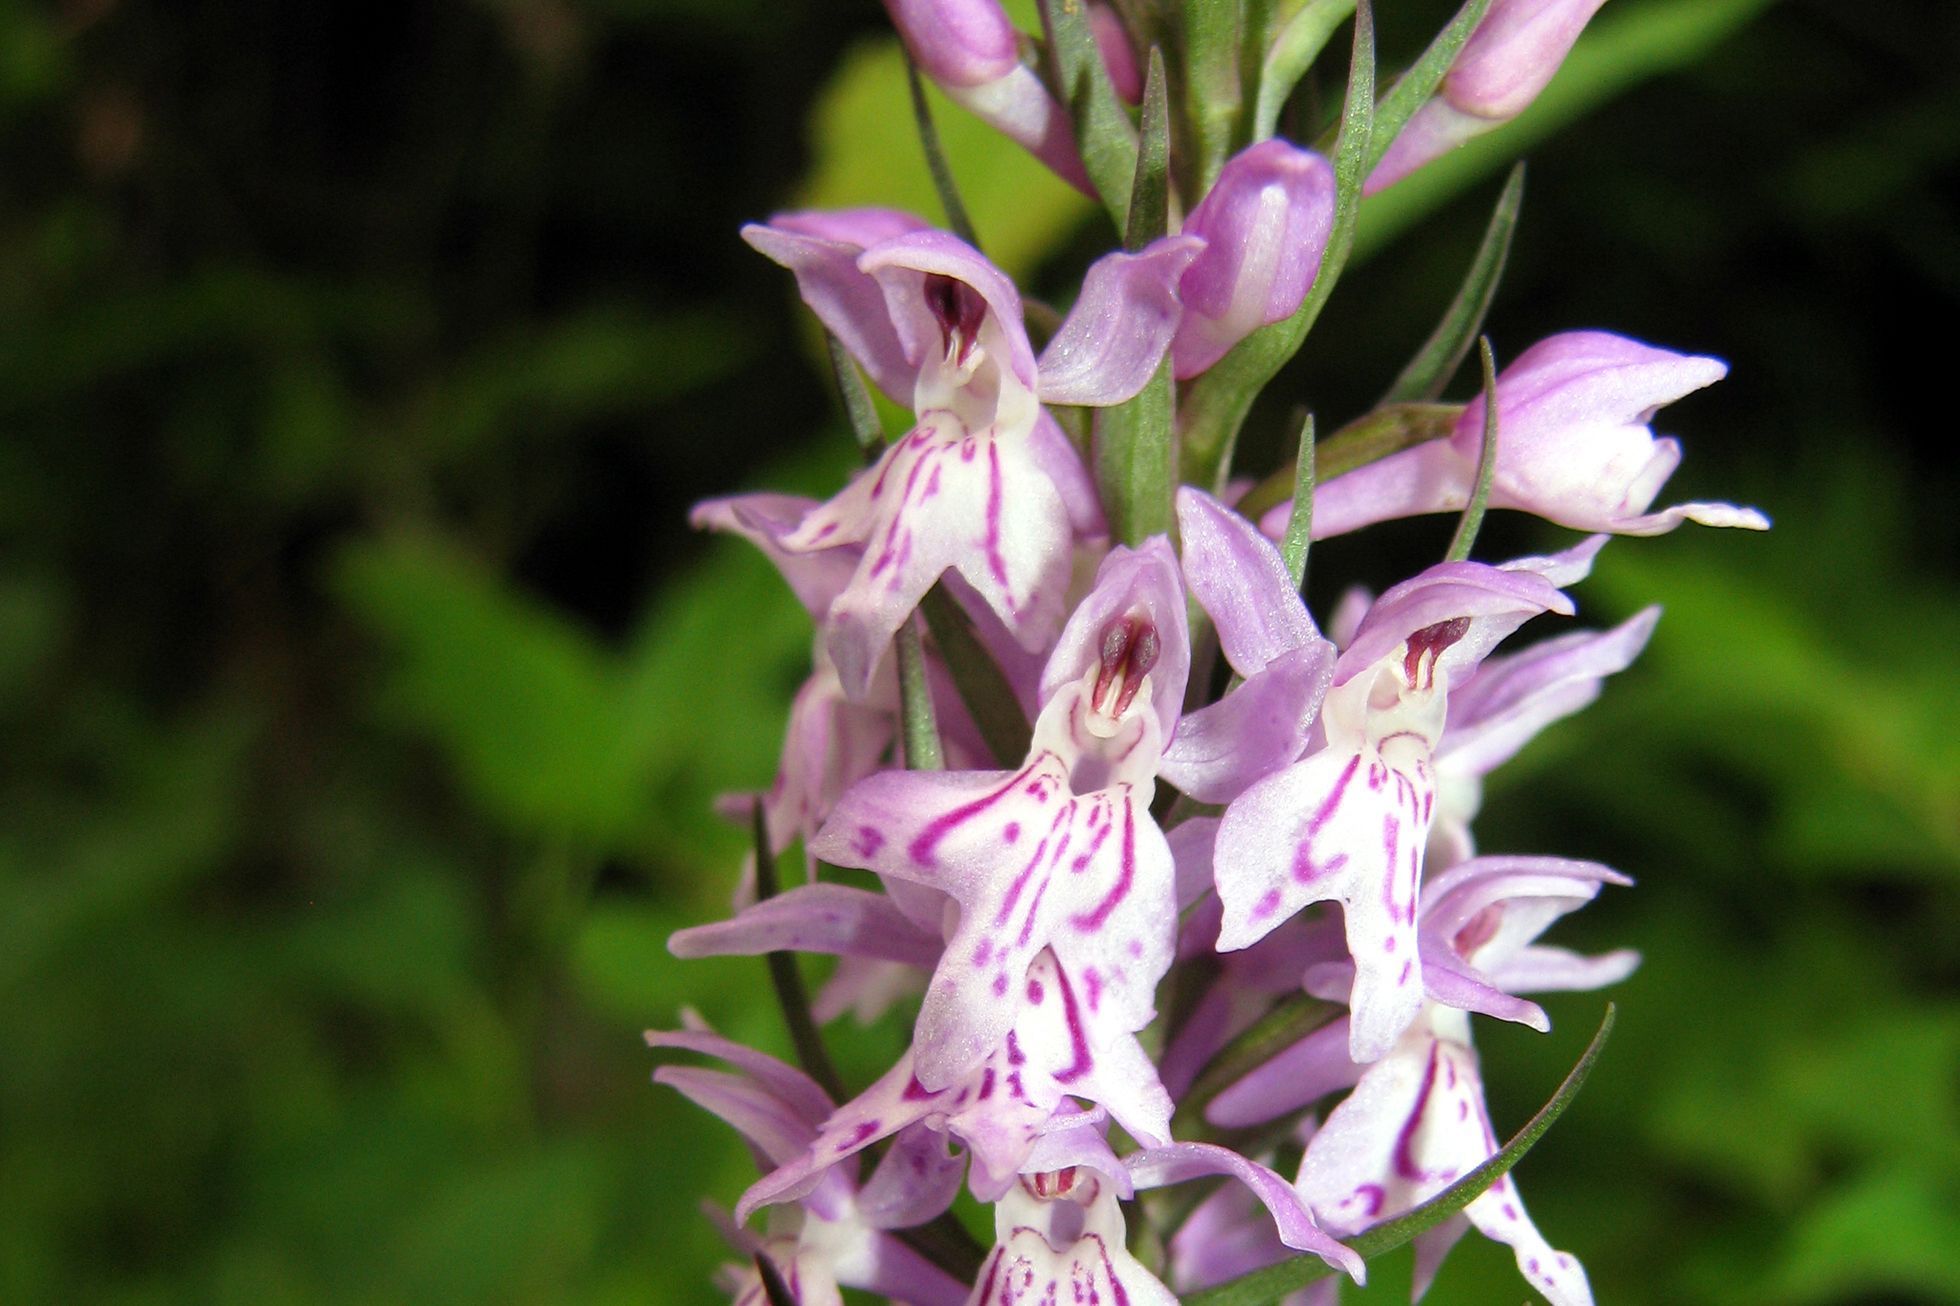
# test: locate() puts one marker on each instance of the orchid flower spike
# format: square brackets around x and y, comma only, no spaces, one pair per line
[1507,61]
[986,484]
[1573,446]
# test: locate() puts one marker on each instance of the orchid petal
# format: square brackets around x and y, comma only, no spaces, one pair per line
[769,1123]
[914,1182]
[1299,1076]
[1141,581]
[1508,700]
[1338,826]
[1114,337]
[796,1089]
[915,512]
[827,918]
[1157,1166]
[900,266]
[766,520]
[1556,970]
[1096,884]
[1254,730]
[1494,600]
[822,250]
[1240,581]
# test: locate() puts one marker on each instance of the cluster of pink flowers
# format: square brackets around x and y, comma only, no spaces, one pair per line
[1154,838]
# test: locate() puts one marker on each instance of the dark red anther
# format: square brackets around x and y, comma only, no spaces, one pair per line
[1431,641]
[1130,647]
[959,309]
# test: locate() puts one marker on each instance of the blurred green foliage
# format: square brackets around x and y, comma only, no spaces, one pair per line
[365,698]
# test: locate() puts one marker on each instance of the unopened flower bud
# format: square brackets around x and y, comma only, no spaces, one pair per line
[1119,56]
[1507,61]
[957,42]
[1265,226]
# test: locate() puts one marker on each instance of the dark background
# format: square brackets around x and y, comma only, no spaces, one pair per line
[364,691]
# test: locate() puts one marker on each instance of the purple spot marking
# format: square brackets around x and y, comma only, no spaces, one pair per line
[1011,832]
[1267,905]
[1000,984]
[1388,944]
[1014,1054]
[1034,991]
[1374,1195]
[917,1092]
[864,1130]
[868,841]
[1510,1211]
[1092,981]
[1403,978]
[1136,947]
[987,1084]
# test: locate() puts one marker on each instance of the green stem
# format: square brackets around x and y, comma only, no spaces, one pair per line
[1473,512]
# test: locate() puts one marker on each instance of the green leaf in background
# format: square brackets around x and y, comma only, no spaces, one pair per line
[1025,210]
[1629,43]
[525,704]
[1428,373]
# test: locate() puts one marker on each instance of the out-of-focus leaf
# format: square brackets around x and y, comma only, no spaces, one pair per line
[524,703]
[1889,1233]
[599,361]
[1024,210]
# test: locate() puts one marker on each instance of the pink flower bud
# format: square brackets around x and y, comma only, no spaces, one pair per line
[1118,55]
[1507,61]
[1265,226]
[957,42]
[1513,53]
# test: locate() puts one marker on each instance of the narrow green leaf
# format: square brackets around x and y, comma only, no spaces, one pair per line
[1213,33]
[1217,402]
[1436,362]
[855,396]
[1135,463]
[1295,41]
[982,685]
[791,996]
[957,220]
[1414,87]
[1299,523]
[1372,436]
[773,1286]
[1150,190]
[1473,512]
[921,728]
[1103,133]
[1275,1281]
